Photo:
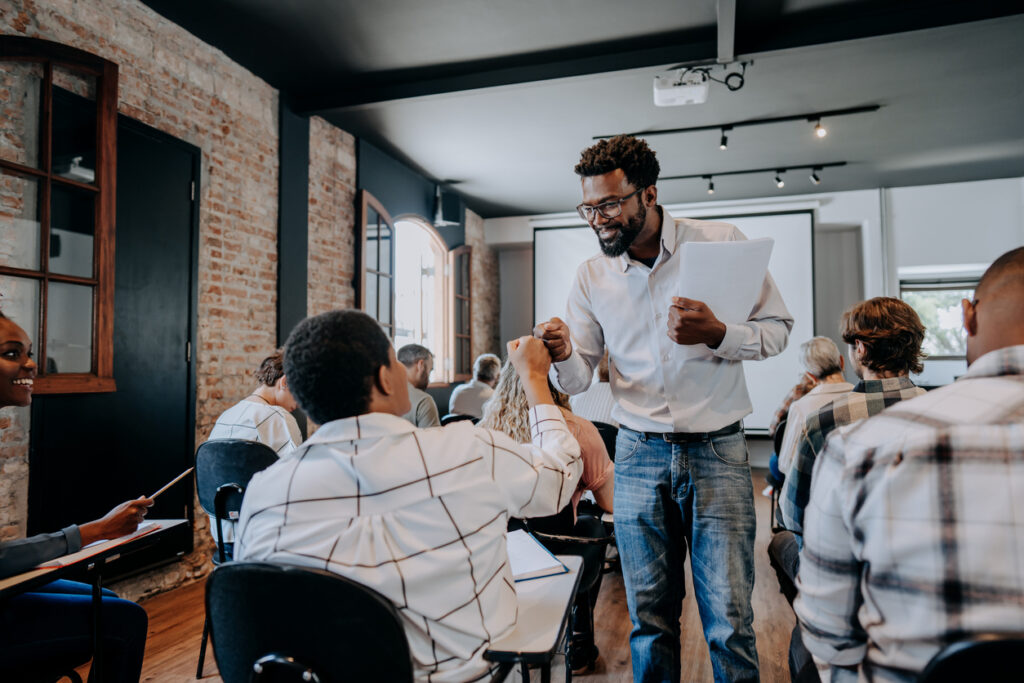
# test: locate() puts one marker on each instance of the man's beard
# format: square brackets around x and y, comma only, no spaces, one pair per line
[626,234]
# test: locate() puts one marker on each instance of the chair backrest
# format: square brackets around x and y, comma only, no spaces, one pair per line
[455,417]
[228,461]
[321,622]
[608,434]
[780,432]
[986,656]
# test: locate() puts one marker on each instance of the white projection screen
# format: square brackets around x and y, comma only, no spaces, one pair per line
[558,252]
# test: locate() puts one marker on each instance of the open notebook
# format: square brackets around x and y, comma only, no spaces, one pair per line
[529,559]
[99,546]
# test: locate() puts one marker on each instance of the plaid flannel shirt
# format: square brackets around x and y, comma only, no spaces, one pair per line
[869,397]
[915,529]
[418,515]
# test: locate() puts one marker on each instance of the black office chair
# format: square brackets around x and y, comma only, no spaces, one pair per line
[274,623]
[776,485]
[609,433]
[986,656]
[455,417]
[223,470]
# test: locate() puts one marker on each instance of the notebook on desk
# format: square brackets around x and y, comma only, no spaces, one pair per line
[99,546]
[529,559]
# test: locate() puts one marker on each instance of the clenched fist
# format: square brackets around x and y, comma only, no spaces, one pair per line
[555,335]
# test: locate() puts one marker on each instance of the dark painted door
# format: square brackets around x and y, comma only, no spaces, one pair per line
[90,452]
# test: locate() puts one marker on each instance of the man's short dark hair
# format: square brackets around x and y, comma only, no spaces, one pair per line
[631,154]
[332,360]
[410,354]
[891,331]
[1005,271]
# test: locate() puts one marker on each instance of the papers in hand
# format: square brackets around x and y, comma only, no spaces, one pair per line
[529,559]
[727,276]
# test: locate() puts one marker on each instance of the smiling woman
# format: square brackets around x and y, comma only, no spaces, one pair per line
[17,369]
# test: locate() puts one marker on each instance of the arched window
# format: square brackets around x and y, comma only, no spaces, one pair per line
[420,315]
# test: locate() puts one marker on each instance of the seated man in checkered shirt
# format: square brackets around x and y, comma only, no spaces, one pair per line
[418,515]
[914,535]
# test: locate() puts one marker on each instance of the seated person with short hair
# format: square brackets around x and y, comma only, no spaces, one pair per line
[264,416]
[419,362]
[469,398]
[915,525]
[419,515]
[46,632]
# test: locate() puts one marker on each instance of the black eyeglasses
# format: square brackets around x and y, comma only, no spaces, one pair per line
[611,209]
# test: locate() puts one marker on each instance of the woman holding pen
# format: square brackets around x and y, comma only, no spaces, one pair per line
[48,631]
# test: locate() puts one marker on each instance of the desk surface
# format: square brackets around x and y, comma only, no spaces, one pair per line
[544,607]
[98,553]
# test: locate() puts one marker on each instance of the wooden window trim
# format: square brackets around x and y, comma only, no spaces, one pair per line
[453,348]
[364,202]
[18,48]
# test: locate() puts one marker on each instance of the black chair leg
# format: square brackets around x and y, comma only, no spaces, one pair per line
[202,647]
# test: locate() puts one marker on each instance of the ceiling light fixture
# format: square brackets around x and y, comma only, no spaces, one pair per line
[819,129]
[779,182]
[711,184]
[723,144]
[814,170]
[811,116]
[815,178]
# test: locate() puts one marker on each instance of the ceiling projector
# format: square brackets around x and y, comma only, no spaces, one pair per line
[682,86]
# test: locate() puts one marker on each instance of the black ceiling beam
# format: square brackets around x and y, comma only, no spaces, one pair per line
[618,55]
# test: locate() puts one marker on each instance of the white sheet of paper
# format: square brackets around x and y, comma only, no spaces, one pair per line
[528,558]
[727,276]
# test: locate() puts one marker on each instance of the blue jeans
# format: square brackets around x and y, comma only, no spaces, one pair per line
[669,496]
[49,631]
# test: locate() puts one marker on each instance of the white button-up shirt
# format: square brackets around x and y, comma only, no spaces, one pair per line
[658,385]
[418,515]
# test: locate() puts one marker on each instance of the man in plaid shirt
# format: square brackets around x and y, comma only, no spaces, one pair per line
[885,336]
[914,535]
[418,515]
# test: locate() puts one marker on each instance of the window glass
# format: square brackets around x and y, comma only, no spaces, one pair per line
[19,222]
[72,226]
[371,295]
[19,301]
[21,88]
[940,311]
[69,328]
[74,126]
[384,298]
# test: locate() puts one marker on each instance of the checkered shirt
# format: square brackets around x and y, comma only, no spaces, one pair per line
[418,515]
[869,397]
[915,529]
[797,392]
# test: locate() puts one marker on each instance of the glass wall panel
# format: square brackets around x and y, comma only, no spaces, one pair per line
[72,226]
[68,328]
[21,96]
[19,222]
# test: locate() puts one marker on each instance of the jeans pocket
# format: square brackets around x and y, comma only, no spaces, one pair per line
[731,449]
[626,445]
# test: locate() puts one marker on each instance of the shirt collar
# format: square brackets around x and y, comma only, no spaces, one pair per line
[368,426]
[668,241]
[886,384]
[1005,361]
[831,388]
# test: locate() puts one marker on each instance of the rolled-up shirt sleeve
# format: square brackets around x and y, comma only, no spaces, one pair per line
[24,554]
[766,331]
[538,478]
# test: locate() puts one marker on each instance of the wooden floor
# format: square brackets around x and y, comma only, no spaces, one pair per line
[176,624]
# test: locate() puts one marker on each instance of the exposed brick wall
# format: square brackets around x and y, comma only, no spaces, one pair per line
[171,80]
[332,191]
[13,472]
[484,282]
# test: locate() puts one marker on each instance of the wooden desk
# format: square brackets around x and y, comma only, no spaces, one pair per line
[544,608]
[92,560]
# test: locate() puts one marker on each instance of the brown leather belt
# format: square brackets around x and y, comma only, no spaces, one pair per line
[690,437]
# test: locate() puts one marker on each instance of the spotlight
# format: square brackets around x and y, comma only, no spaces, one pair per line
[723,144]
[711,186]
[814,176]
[819,129]
[779,182]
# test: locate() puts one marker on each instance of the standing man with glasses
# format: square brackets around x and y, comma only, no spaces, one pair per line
[682,477]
